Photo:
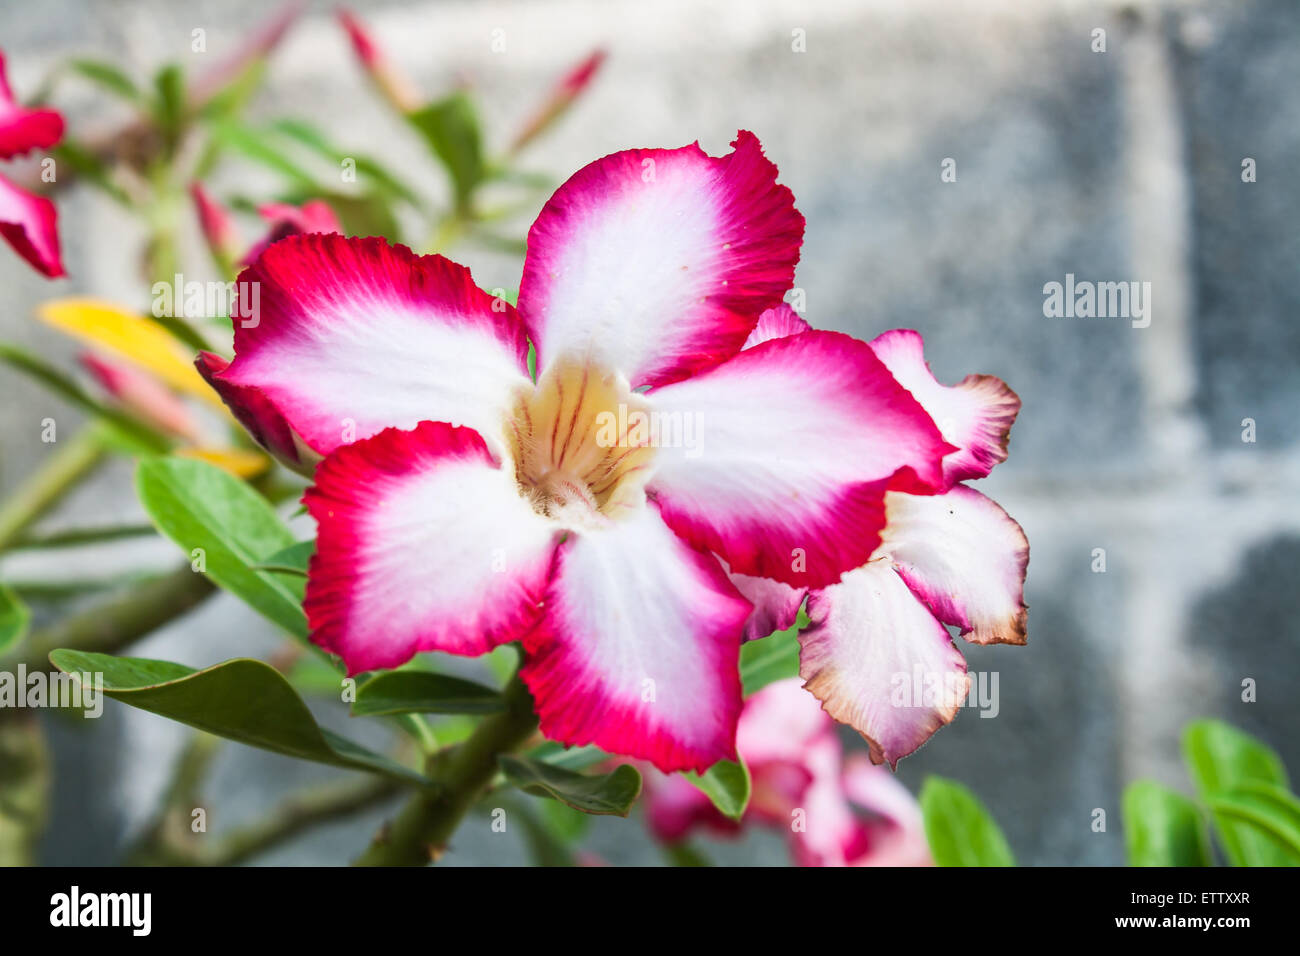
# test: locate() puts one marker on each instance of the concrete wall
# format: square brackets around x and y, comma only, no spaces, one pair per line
[1113,166]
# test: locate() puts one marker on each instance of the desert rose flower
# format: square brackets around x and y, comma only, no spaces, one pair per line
[462,505]
[877,653]
[29,223]
[259,417]
[836,812]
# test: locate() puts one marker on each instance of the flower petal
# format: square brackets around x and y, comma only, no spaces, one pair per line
[351,336]
[796,439]
[639,649]
[879,661]
[259,417]
[776,324]
[22,129]
[776,605]
[657,262]
[29,223]
[975,415]
[964,557]
[893,834]
[424,545]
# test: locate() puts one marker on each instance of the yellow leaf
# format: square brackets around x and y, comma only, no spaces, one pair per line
[239,462]
[131,336]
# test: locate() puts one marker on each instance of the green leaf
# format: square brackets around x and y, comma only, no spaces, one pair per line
[1269,813]
[138,436]
[241,699]
[1163,827]
[960,831]
[108,77]
[769,660]
[727,784]
[611,793]
[256,146]
[14,619]
[170,102]
[369,170]
[291,560]
[200,506]
[1221,758]
[423,692]
[450,126]
[570,758]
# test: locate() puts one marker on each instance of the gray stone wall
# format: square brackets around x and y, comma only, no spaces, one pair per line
[1122,165]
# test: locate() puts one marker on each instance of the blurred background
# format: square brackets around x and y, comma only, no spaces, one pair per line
[1115,165]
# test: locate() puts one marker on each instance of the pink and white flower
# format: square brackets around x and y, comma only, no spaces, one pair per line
[837,812]
[462,504]
[29,223]
[946,556]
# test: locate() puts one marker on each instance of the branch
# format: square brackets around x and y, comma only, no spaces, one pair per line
[419,833]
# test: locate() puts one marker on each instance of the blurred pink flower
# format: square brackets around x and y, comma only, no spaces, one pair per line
[395,86]
[561,97]
[28,222]
[142,394]
[838,812]
[283,220]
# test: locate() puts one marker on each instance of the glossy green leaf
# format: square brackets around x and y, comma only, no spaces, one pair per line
[294,559]
[769,660]
[605,794]
[1267,812]
[1221,758]
[14,620]
[1163,828]
[571,758]
[218,519]
[727,784]
[450,126]
[423,692]
[961,832]
[241,699]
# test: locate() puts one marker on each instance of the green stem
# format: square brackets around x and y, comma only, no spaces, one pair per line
[117,622]
[72,461]
[422,828]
